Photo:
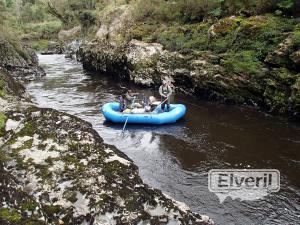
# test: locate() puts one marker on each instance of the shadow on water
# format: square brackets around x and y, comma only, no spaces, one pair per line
[176,158]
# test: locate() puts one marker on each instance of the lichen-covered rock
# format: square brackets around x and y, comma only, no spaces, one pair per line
[68,174]
[104,57]
[71,49]
[8,86]
[287,54]
[21,62]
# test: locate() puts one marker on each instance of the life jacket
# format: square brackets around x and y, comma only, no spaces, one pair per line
[165,90]
[122,103]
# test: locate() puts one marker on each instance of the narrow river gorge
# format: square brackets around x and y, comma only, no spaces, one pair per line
[176,158]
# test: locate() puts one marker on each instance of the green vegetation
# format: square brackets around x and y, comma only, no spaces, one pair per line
[177,24]
[2,88]
[51,210]
[39,45]
[29,206]
[42,30]
[2,121]
[244,62]
[11,216]
[27,130]
[27,20]
[190,11]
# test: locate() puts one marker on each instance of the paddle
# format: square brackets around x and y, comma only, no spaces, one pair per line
[128,116]
[156,108]
[125,124]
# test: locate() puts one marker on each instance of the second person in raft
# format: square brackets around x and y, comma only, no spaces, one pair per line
[165,92]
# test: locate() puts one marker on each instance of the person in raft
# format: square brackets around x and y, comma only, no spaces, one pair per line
[165,92]
[127,102]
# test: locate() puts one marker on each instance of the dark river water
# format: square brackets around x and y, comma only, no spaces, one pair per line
[176,158]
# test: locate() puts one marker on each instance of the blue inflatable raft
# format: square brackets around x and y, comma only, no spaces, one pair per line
[111,112]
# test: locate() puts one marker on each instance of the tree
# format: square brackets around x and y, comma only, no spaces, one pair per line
[86,21]
[9,3]
[286,5]
[57,8]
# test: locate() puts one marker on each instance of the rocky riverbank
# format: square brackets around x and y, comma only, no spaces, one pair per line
[199,73]
[55,169]
[20,61]
[241,60]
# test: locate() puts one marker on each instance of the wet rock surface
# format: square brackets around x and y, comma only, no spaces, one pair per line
[53,48]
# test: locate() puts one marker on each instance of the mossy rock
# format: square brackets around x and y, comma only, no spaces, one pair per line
[28,129]
[244,62]
[10,215]
[29,206]
[3,119]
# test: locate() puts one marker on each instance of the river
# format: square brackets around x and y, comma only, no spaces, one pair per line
[176,158]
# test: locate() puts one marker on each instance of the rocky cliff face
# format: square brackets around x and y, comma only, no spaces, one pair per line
[55,169]
[20,61]
[201,73]
[251,60]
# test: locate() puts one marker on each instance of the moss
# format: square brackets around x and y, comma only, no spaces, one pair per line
[3,119]
[49,161]
[21,164]
[19,49]
[132,202]
[284,76]
[226,25]
[175,37]
[262,34]
[28,129]
[51,210]
[244,62]
[149,63]
[11,216]
[44,173]
[40,45]
[3,157]
[70,159]
[142,32]
[2,88]
[105,198]
[29,206]
[295,96]
[296,35]
[70,195]
[27,144]
[34,221]
[179,37]
[114,167]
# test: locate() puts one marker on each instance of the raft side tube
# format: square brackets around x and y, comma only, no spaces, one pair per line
[111,112]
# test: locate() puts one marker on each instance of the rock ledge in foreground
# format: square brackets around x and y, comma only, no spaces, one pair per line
[56,169]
